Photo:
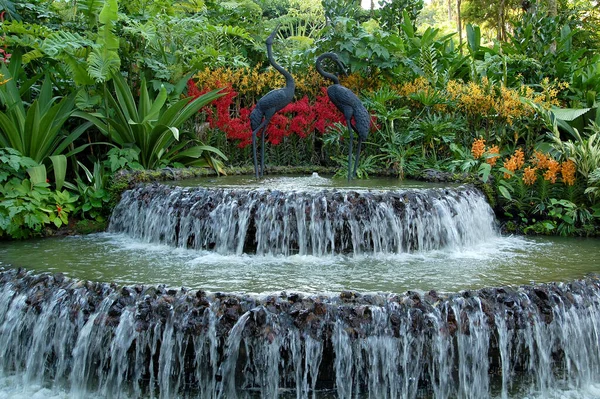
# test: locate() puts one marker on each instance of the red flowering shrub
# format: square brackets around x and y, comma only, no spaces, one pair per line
[300,117]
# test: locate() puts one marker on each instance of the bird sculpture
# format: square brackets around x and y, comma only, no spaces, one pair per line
[268,105]
[349,104]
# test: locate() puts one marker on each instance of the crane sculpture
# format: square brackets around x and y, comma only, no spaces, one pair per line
[268,105]
[349,104]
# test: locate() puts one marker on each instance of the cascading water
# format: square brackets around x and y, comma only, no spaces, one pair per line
[233,221]
[89,339]
[96,339]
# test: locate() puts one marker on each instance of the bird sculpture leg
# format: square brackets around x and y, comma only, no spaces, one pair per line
[349,148]
[357,157]
[262,149]
[254,133]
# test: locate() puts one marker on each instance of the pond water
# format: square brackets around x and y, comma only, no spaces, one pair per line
[110,257]
[304,182]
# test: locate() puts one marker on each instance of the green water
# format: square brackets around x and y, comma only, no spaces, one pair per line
[117,258]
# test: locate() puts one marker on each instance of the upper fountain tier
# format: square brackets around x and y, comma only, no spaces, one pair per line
[310,221]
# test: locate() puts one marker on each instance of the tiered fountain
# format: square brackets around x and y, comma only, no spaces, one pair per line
[323,337]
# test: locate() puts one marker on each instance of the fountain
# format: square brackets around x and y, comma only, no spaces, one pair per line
[64,333]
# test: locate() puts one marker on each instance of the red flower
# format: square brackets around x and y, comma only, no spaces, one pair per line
[301,117]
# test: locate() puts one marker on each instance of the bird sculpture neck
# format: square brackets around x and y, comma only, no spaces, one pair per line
[323,73]
[289,80]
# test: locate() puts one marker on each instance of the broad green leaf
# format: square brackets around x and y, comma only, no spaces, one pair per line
[569,114]
[59,164]
[37,174]
[504,192]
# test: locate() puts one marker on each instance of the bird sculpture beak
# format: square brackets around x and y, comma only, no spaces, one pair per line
[271,37]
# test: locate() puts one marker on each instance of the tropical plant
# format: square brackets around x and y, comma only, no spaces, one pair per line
[593,183]
[548,40]
[94,198]
[27,203]
[365,49]
[392,13]
[584,151]
[152,126]
[393,141]
[436,132]
[36,130]
[569,216]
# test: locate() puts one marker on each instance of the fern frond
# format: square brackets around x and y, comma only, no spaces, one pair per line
[102,64]
[234,31]
[77,68]
[63,41]
[32,55]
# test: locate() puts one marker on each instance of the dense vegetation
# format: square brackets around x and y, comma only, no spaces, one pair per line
[503,92]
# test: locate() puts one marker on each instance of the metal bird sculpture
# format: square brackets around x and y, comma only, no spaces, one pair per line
[267,106]
[349,104]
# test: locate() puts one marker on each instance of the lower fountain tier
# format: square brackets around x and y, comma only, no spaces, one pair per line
[236,221]
[135,341]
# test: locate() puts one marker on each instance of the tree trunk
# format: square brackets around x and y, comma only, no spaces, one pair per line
[449,10]
[552,8]
[501,34]
[459,25]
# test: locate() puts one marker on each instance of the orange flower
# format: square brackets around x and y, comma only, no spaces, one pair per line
[519,158]
[529,176]
[553,169]
[567,171]
[540,159]
[511,165]
[478,148]
[493,155]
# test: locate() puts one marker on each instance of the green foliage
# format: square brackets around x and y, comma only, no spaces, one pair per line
[36,130]
[335,9]
[363,50]
[593,183]
[549,40]
[123,158]
[585,152]
[166,48]
[27,204]
[569,216]
[366,165]
[95,199]
[394,142]
[104,59]
[436,132]
[392,14]
[431,55]
[13,164]
[152,126]
[9,8]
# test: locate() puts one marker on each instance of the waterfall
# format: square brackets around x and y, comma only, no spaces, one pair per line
[129,342]
[236,221]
